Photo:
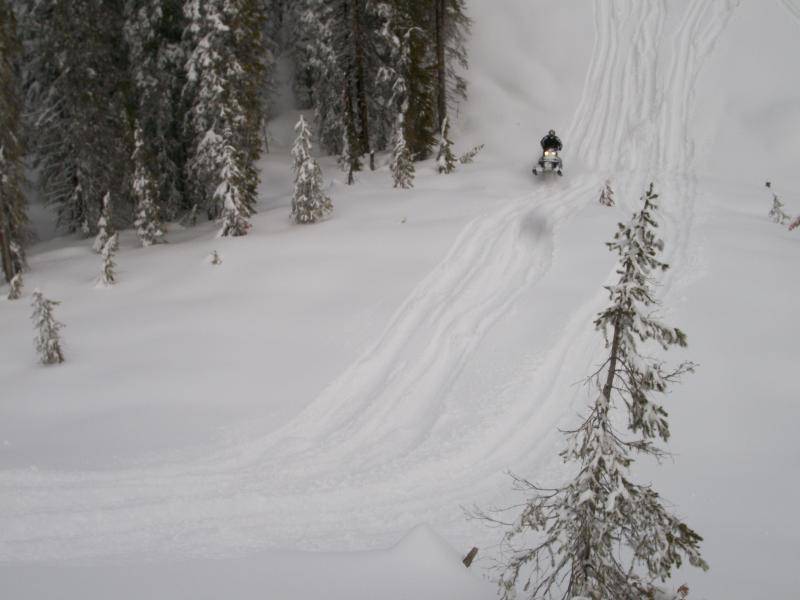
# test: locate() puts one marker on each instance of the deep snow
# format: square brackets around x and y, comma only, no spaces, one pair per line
[331,387]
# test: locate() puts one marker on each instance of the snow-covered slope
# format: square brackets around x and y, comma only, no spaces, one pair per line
[331,387]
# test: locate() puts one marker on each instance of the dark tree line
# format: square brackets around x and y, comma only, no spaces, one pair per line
[160,105]
[349,55]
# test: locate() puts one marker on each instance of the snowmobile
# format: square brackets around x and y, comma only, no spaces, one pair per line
[549,162]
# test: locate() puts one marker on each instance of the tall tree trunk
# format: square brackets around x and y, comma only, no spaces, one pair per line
[357,30]
[5,253]
[441,71]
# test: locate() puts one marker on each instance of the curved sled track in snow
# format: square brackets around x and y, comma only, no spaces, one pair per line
[387,445]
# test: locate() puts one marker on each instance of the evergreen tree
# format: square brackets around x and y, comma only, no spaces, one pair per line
[585,524]
[15,287]
[153,31]
[108,276]
[776,213]
[105,228]
[78,103]
[309,202]
[412,18]
[401,166]
[147,224]
[446,160]
[607,194]
[451,26]
[13,216]
[224,74]
[48,340]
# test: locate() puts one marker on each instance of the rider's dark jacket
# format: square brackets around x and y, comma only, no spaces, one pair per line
[551,142]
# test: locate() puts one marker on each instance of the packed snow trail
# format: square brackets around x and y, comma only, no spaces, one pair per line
[387,444]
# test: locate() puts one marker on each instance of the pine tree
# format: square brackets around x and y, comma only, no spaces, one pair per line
[776,213]
[147,224]
[48,340]
[309,202]
[412,18]
[13,216]
[585,524]
[446,160]
[401,166]
[223,91]
[108,276]
[77,94]
[451,27]
[153,31]
[105,229]
[15,287]
[607,194]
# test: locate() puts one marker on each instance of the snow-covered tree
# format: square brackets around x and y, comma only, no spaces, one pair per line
[776,213]
[15,287]
[309,202]
[48,340]
[224,70]
[108,276]
[105,229]
[603,536]
[401,165]
[607,194]
[156,55]
[794,224]
[148,226]
[445,160]
[13,216]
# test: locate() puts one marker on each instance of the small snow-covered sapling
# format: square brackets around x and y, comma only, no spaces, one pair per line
[108,277]
[47,340]
[104,227]
[15,287]
[607,194]
[214,258]
[445,160]
[776,213]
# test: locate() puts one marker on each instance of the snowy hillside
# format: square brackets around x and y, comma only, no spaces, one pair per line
[309,418]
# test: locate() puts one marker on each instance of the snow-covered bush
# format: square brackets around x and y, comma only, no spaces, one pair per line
[48,340]
[309,202]
[602,535]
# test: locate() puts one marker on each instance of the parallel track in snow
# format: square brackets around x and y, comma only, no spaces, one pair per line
[375,447]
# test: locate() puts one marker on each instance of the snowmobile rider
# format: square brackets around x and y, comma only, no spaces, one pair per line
[551,141]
